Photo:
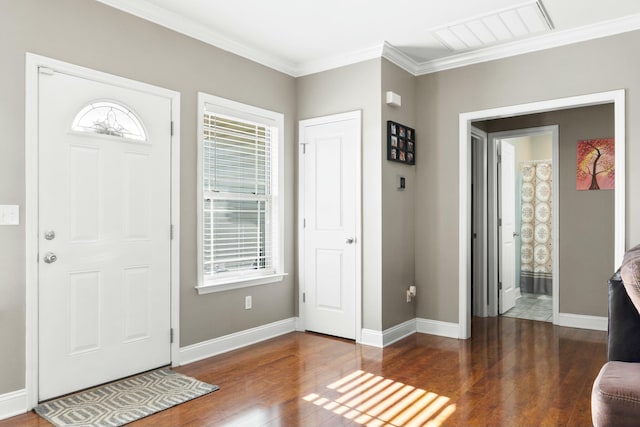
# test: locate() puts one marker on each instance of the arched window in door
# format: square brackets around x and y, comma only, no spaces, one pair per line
[109,118]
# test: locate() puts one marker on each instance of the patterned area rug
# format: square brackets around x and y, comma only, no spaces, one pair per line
[124,401]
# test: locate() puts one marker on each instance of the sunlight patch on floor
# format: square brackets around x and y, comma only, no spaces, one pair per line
[374,401]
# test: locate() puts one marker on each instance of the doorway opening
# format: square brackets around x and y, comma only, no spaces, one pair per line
[514,222]
[466,120]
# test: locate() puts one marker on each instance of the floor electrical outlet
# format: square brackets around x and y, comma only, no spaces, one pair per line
[247,302]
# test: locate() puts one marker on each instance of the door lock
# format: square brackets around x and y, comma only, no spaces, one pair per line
[49,235]
[50,257]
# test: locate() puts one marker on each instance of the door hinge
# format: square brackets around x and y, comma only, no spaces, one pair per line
[171,232]
[304,222]
[304,297]
[171,128]
[304,147]
[171,336]
[500,285]
[499,159]
[499,222]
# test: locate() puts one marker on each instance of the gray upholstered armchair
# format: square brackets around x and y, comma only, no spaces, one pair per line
[615,397]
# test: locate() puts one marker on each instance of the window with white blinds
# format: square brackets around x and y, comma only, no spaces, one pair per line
[239,218]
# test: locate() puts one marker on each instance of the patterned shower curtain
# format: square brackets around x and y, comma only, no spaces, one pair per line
[535,232]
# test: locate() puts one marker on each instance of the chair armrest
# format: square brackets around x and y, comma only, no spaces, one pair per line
[624,324]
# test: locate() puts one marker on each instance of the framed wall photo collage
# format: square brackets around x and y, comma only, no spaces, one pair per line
[401,143]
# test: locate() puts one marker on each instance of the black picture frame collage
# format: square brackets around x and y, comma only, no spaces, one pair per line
[401,143]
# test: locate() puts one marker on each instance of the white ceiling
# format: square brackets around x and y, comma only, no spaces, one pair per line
[304,36]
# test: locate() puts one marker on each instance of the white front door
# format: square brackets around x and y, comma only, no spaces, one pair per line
[103,232]
[329,209]
[507,229]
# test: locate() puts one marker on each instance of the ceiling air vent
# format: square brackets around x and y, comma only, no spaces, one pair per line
[498,27]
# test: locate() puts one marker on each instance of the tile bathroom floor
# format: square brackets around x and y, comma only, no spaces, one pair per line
[532,307]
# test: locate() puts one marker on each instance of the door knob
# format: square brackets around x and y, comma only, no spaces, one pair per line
[515,234]
[350,240]
[50,257]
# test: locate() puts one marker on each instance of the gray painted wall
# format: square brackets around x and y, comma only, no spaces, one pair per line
[593,66]
[387,239]
[586,217]
[93,35]
[357,87]
[397,206]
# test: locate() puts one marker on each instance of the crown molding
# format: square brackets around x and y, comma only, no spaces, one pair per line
[325,64]
[534,44]
[145,10]
[401,59]
[173,21]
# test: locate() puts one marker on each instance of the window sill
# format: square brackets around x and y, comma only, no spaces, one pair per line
[220,286]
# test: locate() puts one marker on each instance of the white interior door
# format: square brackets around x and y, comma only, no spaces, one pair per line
[104,234]
[330,244]
[507,229]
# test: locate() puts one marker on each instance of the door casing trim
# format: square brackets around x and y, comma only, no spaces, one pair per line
[616,97]
[357,115]
[33,63]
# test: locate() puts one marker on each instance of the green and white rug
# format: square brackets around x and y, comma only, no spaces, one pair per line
[124,401]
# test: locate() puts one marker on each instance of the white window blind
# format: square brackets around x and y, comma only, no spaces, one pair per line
[237,197]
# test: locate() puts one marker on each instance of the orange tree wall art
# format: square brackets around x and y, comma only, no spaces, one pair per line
[595,168]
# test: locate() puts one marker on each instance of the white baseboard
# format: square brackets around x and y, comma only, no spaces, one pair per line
[518,293]
[596,323]
[388,336]
[371,338]
[12,404]
[396,333]
[436,327]
[202,350]
[16,402]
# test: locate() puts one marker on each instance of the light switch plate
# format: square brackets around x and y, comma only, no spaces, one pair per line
[402,183]
[9,215]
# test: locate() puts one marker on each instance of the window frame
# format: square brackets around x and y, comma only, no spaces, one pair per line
[217,105]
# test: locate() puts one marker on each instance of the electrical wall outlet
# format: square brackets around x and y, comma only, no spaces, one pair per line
[247,302]
[411,293]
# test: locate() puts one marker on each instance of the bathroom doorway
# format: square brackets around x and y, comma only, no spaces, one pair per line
[506,213]
[524,221]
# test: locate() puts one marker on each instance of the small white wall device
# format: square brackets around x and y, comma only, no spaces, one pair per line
[393,99]
[411,293]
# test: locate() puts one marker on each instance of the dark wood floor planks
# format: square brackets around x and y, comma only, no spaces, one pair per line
[512,372]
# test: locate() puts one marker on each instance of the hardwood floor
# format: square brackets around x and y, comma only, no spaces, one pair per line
[513,372]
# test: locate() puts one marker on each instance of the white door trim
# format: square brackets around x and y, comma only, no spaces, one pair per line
[617,97]
[33,63]
[555,209]
[357,115]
